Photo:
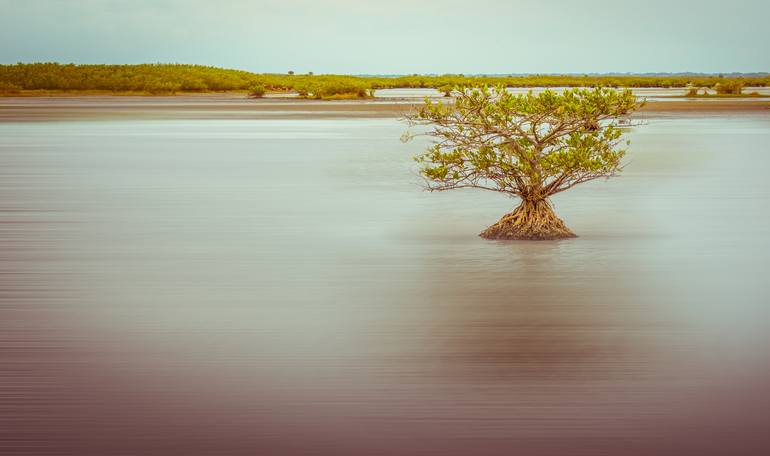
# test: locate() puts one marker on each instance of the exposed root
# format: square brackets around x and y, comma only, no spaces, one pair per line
[532,220]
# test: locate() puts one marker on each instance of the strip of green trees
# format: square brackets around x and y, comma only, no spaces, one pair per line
[175,78]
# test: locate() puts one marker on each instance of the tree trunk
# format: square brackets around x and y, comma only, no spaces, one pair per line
[532,220]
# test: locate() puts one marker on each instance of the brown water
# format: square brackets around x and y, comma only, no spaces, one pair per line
[276,286]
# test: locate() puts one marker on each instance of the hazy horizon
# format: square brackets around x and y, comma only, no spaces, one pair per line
[396,75]
[343,36]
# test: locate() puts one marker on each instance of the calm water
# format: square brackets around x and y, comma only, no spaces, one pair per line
[275,286]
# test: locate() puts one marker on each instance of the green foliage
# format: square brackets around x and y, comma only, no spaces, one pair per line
[446,90]
[528,145]
[257,91]
[729,87]
[335,88]
[723,91]
[7,87]
[167,79]
[416,81]
[162,87]
[162,78]
[125,78]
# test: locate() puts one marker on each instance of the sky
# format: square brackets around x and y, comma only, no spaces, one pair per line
[396,36]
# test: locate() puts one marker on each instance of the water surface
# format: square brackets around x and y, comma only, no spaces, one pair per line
[283,286]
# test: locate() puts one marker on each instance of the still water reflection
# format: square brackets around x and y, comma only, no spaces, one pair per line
[281,287]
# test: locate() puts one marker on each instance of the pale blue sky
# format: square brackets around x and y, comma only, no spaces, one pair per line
[395,36]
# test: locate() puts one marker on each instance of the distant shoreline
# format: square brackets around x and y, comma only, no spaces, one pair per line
[51,78]
[230,106]
[236,94]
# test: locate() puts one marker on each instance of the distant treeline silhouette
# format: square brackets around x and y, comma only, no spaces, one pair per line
[173,78]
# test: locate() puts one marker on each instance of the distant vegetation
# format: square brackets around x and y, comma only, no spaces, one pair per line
[728,87]
[724,88]
[159,79]
[257,91]
[333,87]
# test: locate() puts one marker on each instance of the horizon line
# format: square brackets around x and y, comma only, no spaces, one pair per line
[483,74]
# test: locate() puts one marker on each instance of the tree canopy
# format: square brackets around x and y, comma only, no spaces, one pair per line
[530,146]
